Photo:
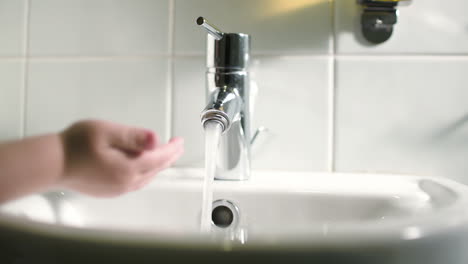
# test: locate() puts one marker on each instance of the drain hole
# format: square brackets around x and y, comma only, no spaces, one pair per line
[222,216]
[225,214]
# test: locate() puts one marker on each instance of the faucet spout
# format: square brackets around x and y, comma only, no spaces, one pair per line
[224,106]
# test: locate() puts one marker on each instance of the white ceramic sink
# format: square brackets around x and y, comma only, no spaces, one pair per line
[276,209]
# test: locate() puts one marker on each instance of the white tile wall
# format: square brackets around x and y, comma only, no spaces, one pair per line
[277,26]
[104,27]
[10,99]
[292,103]
[188,102]
[12,23]
[142,62]
[393,116]
[128,91]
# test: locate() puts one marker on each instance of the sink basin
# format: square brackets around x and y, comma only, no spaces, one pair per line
[342,218]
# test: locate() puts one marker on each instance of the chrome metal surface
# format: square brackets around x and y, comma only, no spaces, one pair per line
[233,209]
[228,100]
[213,115]
[229,53]
[215,32]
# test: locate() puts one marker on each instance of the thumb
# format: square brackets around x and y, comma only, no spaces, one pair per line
[134,139]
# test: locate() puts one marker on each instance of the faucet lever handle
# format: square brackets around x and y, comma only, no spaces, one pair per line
[212,30]
[260,141]
[260,131]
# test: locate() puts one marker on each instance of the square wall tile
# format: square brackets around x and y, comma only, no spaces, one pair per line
[403,115]
[276,26]
[187,104]
[105,27]
[427,26]
[61,92]
[10,99]
[12,22]
[291,102]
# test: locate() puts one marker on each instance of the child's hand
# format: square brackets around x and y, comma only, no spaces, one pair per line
[107,159]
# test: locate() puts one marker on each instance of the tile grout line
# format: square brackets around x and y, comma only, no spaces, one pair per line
[333,119]
[25,70]
[330,167]
[292,56]
[170,72]
[83,58]
[403,56]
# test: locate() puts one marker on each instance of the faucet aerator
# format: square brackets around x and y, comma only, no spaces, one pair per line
[213,115]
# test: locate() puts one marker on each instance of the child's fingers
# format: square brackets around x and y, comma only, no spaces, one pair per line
[168,162]
[148,176]
[132,139]
[161,157]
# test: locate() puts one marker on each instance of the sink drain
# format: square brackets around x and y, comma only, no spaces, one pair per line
[225,214]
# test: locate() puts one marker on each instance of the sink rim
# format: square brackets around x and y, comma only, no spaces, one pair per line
[441,221]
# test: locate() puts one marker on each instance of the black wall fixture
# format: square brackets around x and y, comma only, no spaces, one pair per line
[378,19]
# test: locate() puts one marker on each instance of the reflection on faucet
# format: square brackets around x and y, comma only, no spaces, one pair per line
[228,93]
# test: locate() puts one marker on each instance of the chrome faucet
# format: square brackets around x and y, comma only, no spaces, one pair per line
[228,95]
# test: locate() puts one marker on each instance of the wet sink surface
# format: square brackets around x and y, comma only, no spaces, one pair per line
[267,203]
[274,208]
